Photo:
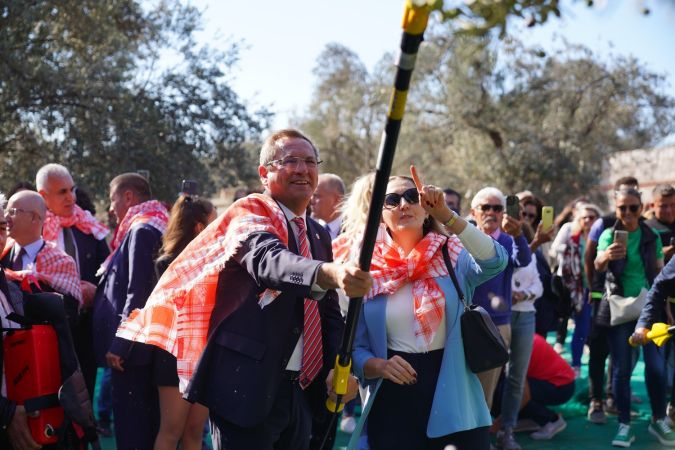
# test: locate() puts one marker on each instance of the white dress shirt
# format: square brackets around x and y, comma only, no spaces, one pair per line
[32,250]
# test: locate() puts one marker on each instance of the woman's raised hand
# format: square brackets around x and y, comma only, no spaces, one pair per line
[432,199]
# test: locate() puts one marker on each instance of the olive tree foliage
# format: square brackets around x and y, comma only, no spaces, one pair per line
[115,86]
[493,112]
[346,113]
[482,17]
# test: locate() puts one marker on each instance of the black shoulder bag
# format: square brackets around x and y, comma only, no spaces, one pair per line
[484,348]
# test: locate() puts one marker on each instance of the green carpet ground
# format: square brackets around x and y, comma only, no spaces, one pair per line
[580,434]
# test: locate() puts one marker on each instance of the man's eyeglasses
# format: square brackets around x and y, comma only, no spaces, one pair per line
[13,212]
[392,200]
[293,162]
[495,208]
[632,208]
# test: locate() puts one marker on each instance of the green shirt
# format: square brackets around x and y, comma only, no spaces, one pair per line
[633,277]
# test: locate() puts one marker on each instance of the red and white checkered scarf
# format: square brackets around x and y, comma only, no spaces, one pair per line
[151,212]
[52,266]
[81,219]
[177,313]
[391,269]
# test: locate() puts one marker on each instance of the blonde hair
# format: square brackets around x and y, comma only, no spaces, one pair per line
[354,208]
[579,210]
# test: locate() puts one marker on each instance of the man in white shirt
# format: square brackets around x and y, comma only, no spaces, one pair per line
[325,203]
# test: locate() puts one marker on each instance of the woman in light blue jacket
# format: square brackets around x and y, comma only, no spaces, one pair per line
[408,349]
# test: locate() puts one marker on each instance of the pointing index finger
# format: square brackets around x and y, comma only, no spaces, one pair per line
[416,178]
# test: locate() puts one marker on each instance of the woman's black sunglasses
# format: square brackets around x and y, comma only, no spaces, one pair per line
[392,200]
[633,208]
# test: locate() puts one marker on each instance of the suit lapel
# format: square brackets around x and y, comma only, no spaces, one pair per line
[314,239]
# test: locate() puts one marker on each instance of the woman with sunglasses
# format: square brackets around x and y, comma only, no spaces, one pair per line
[569,248]
[631,268]
[408,348]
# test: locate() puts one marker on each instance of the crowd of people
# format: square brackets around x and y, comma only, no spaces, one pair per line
[230,324]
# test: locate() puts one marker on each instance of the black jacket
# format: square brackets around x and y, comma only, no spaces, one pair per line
[7,407]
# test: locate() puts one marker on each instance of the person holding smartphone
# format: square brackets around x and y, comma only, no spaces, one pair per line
[632,255]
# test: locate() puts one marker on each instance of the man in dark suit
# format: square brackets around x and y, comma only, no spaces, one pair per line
[126,283]
[13,421]
[262,374]
[81,236]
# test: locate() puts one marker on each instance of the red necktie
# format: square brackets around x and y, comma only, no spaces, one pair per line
[312,353]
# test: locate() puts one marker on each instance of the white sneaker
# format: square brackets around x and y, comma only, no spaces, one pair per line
[550,429]
[624,438]
[347,424]
[577,372]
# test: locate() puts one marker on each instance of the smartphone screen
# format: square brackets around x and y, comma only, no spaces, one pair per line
[513,206]
[621,237]
[546,217]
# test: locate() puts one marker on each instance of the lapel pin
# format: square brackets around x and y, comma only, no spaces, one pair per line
[317,236]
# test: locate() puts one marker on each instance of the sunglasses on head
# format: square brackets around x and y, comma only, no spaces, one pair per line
[392,200]
[633,208]
[495,208]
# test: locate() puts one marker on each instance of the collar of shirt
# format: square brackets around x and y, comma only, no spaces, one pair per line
[32,249]
[335,226]
[496,234]
[290,215]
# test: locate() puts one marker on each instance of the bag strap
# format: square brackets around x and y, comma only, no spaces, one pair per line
[453,276]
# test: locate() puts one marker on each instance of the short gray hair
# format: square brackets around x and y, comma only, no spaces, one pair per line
[274,142]
[3,201]
[333,181]
[50,170]
[485,193]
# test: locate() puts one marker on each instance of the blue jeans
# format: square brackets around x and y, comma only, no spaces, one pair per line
[622,366]
[104,402]
[655,372]
[655,378]
[582,326]
[522,333]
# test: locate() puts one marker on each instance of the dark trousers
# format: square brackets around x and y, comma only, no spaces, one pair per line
[287,427]
[599,351]
[84,347]
[545,394]
[135,404]
[399,415]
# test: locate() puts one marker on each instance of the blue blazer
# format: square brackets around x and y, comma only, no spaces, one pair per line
[125,286]
[459,403]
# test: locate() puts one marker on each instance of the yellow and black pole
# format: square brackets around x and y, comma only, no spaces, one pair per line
[415,20]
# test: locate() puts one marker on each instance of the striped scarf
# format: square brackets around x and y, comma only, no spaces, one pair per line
[151,212]
[177,313]
[81,219]
[391,269]
[53,267]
